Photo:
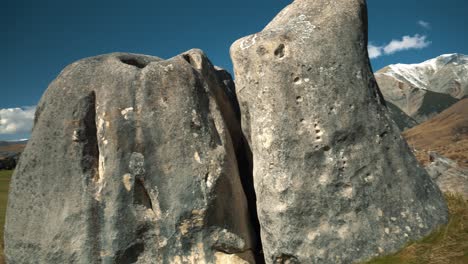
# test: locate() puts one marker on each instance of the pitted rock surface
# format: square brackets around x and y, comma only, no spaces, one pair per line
[132,160]
[335,181]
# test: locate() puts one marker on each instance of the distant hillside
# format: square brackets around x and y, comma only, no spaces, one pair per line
[425,89]
[8,148]
[446,133]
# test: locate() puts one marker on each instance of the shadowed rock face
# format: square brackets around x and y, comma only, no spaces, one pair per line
[335,182]
[401,119]
[132,160]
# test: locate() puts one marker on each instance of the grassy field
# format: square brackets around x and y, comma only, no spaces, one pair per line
[448,245]
[5,177]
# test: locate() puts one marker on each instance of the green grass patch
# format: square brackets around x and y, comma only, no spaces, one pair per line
[449,244]
[5,177]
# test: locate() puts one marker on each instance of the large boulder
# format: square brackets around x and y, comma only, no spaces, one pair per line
[132,159]
[335,181]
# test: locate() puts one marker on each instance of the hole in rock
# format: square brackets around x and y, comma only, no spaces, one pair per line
[130,254]
[136,62]
[140,195]
[196,60]
[279,52]
[187,58]
[326,148]
[296,80]
[381,135]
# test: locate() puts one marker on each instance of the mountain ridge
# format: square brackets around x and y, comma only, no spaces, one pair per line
[423,90]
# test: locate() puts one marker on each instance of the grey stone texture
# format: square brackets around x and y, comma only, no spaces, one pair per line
[132,159]
[335,181]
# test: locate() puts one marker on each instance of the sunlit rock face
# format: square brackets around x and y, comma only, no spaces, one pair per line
[335,182]
[132,160]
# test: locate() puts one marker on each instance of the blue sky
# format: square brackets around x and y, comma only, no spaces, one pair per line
[39,38]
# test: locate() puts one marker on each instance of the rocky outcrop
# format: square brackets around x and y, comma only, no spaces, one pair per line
[132,159]
[448,174]
[335,182]
[424,90]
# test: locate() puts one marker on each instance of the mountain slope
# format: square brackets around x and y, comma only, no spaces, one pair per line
[423,90]
[447,134]
[445,74]
[8,148]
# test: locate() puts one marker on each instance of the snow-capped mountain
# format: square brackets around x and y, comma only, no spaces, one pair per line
[425,89]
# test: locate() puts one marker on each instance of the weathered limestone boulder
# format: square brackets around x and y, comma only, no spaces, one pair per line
[449,176]
[335,182]
[132,160]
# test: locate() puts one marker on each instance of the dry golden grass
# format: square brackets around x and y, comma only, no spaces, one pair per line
[447,245]
[457,151]
[446,134]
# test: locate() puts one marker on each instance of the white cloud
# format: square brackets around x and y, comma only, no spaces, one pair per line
[424,24]
[374,51]
[406,43]
[16,120]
